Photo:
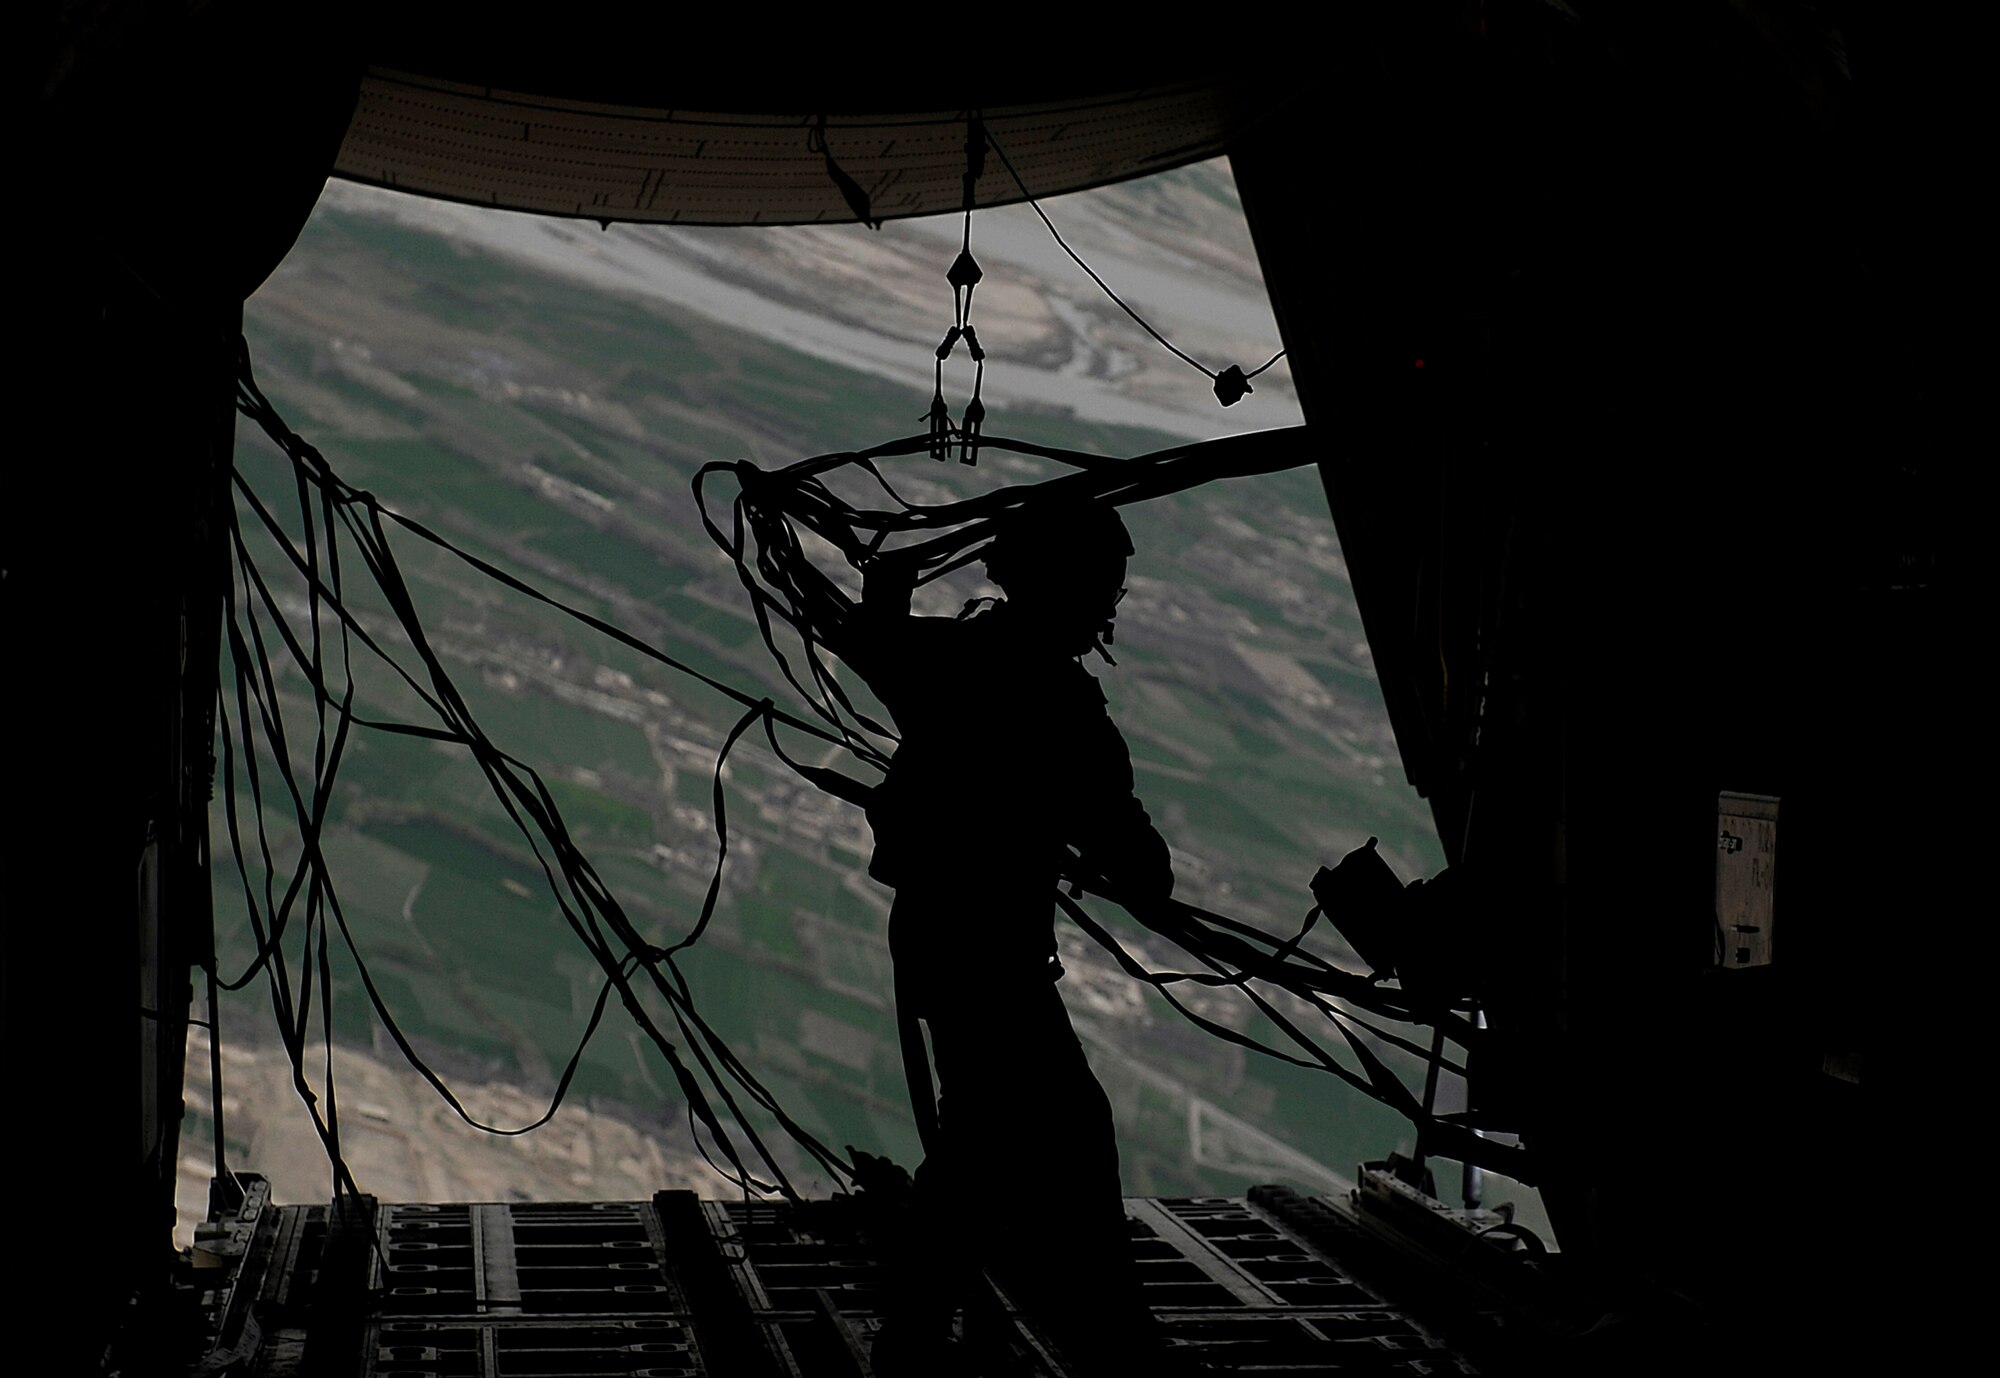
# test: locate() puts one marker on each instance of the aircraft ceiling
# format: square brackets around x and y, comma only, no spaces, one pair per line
[706,162]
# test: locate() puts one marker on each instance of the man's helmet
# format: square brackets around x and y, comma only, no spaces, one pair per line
[1054,544]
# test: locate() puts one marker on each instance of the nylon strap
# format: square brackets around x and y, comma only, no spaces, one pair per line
[916,1065]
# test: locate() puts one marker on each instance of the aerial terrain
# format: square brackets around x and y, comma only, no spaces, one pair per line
[542,392]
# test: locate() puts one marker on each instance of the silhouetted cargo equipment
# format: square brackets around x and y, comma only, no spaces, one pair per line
[1364,901]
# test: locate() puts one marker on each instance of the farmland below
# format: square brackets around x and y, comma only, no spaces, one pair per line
[532,392]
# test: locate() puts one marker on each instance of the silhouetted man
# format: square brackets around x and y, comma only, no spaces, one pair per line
[1007,757]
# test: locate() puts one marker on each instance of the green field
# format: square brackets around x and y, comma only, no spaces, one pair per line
[448,389]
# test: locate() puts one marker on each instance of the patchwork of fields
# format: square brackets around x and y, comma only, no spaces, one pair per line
[553,428]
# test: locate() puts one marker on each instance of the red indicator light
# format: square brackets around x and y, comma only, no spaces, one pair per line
[1419,364]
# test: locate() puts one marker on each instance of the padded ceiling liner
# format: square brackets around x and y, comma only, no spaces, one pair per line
[558,156]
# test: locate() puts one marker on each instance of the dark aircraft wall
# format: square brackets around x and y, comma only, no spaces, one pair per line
[172,161]
[1609,328]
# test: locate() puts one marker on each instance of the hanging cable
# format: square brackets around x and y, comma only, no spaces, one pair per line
[334,515]
[1231,384]
[850,190]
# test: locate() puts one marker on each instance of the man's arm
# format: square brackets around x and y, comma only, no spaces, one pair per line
[861,634]
[1132,856]
[1114,834]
